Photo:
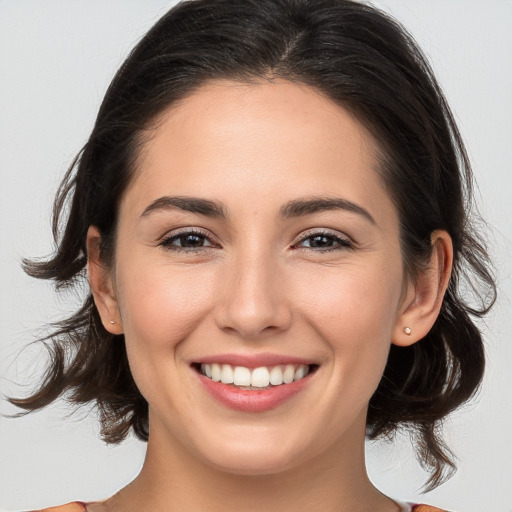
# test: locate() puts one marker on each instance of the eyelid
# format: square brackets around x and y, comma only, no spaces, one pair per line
[345,241]
[169,236]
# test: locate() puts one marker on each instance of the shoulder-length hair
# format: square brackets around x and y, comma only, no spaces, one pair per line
[358,57]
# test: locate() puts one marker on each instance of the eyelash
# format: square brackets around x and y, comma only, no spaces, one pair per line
[167,241]
[343,243]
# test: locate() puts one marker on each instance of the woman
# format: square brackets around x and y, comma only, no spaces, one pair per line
[272,213]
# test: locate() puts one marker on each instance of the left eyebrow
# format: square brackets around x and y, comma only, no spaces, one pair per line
[188,204]
[308,206]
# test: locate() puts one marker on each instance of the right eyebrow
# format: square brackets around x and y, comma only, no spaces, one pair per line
[315,204]
[188,204]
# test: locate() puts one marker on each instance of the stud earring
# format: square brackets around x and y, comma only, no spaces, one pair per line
[407,330]
[112,321]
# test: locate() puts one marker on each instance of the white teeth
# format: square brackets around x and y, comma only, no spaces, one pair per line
[260,377]
[242,376]
[288,374]
[276,376]
[216,372]
[300,372]
[227,374]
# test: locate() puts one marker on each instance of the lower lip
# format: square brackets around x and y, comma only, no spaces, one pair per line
[258,400]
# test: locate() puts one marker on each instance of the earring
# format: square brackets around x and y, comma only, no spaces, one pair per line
[112,321]
[407,330]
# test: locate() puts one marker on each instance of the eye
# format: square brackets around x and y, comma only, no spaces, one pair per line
[187,241]
[323,241]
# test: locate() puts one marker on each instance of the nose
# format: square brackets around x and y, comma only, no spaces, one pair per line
[252,300]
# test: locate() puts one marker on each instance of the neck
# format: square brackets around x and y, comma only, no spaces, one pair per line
[173,480]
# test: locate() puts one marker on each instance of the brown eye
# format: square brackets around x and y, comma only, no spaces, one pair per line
[321,241]
[324,241]
[187,240]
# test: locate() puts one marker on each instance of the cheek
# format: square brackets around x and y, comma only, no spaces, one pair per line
[159,307]
[352,301]
[354,311]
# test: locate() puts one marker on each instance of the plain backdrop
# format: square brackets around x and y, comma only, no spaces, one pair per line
[56,60]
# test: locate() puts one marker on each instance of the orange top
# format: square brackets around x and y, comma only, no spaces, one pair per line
[78,506]
[426,508]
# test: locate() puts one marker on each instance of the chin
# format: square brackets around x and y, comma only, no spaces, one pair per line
[253,460]
[262,467]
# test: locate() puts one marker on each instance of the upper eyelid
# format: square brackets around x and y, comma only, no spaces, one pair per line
[165,240]
[213,240]
[323,231]
[184,231]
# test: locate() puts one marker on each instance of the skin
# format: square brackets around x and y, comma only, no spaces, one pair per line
[255,284]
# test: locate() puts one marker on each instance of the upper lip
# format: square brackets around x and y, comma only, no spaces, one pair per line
[253,360]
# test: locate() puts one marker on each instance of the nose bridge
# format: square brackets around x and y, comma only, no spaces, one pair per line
[254,300]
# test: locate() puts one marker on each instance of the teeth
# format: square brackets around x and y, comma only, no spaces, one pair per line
[216,372]
[276,376]
[258,377]
[300,372]
[242,376]
[288,374]
[227,374]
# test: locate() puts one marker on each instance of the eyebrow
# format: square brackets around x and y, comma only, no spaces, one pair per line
[308,206]
[188,204]
[294,208]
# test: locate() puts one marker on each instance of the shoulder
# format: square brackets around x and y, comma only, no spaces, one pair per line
[75,506]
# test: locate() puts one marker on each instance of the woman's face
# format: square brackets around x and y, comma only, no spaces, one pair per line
[257,233]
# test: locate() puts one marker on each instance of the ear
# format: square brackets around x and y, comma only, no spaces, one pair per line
[424,296]
[101,283]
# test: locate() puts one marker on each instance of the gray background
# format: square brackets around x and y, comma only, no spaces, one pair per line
[56,60]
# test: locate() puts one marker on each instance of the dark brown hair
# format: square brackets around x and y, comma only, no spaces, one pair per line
[361,59]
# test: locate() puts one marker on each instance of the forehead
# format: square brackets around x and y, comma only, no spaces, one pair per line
[240,140]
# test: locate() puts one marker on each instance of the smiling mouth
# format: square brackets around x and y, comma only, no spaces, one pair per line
[263,377]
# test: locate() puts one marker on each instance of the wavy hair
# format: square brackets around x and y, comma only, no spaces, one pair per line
[366,62]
